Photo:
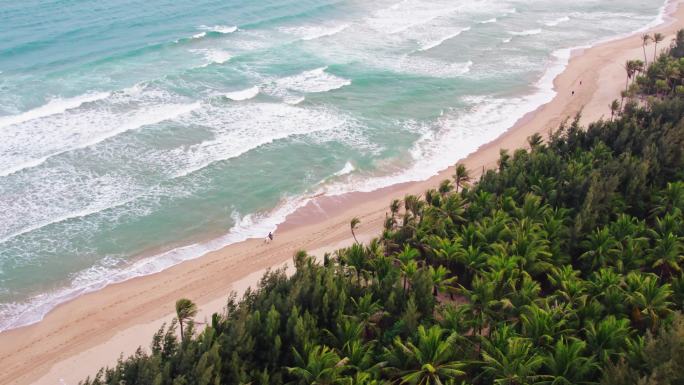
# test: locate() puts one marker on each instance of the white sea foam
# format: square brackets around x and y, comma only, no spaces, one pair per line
[455,135]
[408,14]
[80,195]
[31,143]
[317,80]
[489,21]
[347,169]
[224,29]
[214,56]
[528,32]
[53,107]
[314,32]
[13,315]
[293,100]
[245,94]
[113,270]
[660,19]
[239,129]
[217,29]
[486,113]
[555,22]
[507,39]
[429,67]
[435,43]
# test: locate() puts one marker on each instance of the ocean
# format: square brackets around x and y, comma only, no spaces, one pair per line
[138,134]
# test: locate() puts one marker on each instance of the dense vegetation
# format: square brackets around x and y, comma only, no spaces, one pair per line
[563,266]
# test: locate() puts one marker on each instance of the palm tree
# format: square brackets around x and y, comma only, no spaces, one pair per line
[631,67]
[473,259]
[445,250]
[671,198]
[348,331]
[614,108]
[461,177]
[355,256]
[407,263]
[432,198]
[430,361]
[650,301]
[457,318]
[413,204]
[645,38]
[667,254]
[657,38]
[368,312]
[504,159]
[514,364]
[394,207]
[567,365]
[354,224]
[535,140]
[569,287]
[601,248]
[485,301]
[185,310]
[322,366]
[639,67]
[445,187]
[541,325]
[440,280]
[606,338]
[672,75]
[454,205]
[359,358]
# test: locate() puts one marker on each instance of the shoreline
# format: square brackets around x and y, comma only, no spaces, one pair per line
[158,259]
[80,335]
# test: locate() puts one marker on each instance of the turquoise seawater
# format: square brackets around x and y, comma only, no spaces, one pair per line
[137,134]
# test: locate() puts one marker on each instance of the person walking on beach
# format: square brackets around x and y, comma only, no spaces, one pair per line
[270,237]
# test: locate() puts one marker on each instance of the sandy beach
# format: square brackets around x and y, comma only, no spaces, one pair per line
[93,330]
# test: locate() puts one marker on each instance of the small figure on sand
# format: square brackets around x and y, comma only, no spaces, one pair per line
[269,238]
[573,92]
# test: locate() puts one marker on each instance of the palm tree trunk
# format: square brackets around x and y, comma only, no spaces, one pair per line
[180,323]
[645,60]
[655,51]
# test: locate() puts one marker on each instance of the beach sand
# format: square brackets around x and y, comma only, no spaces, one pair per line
[93,330]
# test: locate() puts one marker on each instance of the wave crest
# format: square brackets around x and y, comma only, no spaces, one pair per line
[316,80]
[245,94]
[53,107]
[222,29]
[528,32]
[214,56]
[438,42]
[555,22]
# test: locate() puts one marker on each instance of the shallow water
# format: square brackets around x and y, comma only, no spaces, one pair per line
[136,128]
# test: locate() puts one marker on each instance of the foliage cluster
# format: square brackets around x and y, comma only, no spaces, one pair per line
[563,266]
